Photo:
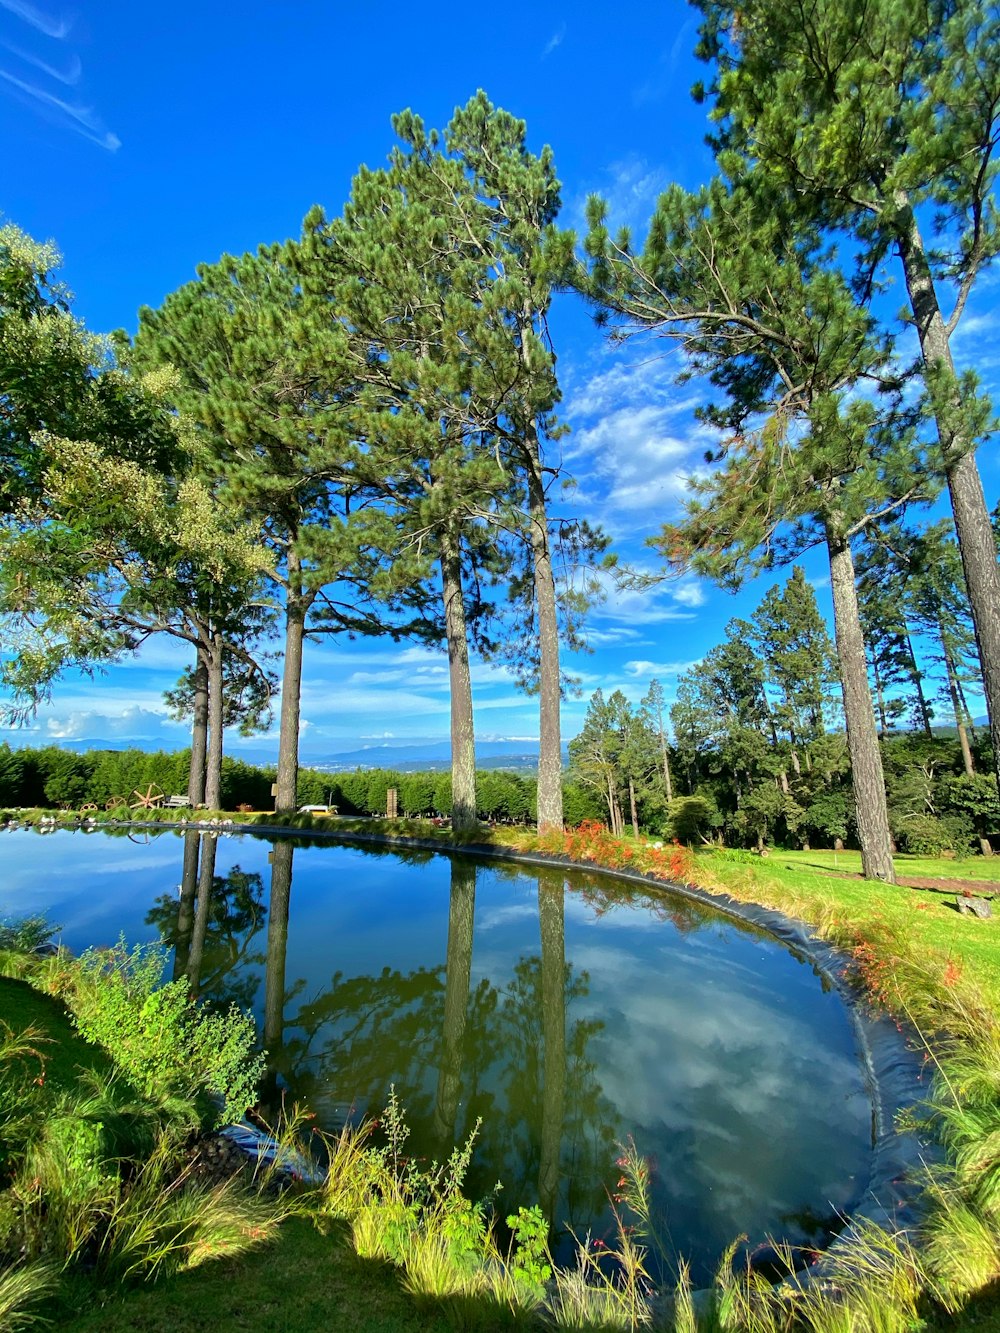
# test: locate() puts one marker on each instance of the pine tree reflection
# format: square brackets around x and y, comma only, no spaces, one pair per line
[185,907]
[552,924]
[458,974]
[226,918]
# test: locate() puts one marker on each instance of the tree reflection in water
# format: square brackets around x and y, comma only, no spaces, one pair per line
[502,1048]
[212,925]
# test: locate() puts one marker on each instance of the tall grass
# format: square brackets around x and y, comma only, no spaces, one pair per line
[23,1286]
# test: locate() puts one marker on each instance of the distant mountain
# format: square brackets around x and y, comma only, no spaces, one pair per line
[430,755]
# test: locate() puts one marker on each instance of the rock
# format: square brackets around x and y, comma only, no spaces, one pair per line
[979,907]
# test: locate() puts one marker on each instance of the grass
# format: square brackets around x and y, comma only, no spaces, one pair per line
[64,1051]
[929,920]
[985,868]
[302,1282]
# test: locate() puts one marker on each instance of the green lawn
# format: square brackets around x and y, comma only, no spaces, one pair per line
[965,867]
[304,1282]
[800,884]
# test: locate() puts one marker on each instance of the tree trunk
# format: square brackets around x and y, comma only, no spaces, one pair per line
[213,764]
[185,907]
[862,738]
[206,882]
[296,609]
[916,678]
[666,764]
[880,697]
[199,734]
[633,811]
[970,726]
[463,735]
[551,915]
[972,520]
[550,807]
[956,704]
[274,972]
[458,975]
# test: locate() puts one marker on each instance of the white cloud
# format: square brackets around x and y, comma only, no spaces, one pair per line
[638,667]
[81,119]
[662,600]
[555,40]
[37,18]
[130,722]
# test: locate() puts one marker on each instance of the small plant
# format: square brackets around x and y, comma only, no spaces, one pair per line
[26,934]
[530,1261]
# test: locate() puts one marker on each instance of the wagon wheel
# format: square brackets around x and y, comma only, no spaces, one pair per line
[114,803]
[88,808]
[148,799]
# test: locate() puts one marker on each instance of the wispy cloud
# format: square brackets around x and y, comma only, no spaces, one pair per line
[645,669]
[69,76]
[48,24]
[81,119]
[554,41]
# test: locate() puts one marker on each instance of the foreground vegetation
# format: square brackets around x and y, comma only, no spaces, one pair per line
[98,1195]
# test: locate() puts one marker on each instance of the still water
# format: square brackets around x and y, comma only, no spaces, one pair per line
[565,1012]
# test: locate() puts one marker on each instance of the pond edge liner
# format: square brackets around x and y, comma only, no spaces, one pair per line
[892,1063]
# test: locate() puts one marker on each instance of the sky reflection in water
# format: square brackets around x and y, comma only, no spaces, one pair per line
[711,1044]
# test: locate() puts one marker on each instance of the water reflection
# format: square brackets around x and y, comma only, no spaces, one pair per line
[212,925]
[567,1014]
[458,974]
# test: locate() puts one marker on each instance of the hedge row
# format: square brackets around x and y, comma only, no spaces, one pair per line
[52,777]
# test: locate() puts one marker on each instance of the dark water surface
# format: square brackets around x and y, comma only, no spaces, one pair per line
[566,1012]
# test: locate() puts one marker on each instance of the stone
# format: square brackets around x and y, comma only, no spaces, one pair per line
[979,907]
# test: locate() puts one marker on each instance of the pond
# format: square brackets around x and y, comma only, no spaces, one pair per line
[565,1011]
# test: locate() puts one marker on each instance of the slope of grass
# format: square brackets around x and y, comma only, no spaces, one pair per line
[930,920]
[304,1282]
[63,1050]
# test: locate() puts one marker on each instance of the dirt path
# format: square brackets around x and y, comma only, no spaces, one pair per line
[980,888]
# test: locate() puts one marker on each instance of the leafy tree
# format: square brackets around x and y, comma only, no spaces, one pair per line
[49,363]
[793,641]
[112,551]
[883,602]
[617,755]
[765,315]
[263,386]
[653,704]
[880,121]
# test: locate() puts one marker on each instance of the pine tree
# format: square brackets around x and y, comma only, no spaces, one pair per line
[765,315]
[881,120]
[265,387]
[792,639]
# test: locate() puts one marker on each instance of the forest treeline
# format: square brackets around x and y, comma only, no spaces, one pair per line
[354,431]
[757,751]
[48,777]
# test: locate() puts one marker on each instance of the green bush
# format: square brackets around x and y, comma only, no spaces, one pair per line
[930,835]
[199,1064]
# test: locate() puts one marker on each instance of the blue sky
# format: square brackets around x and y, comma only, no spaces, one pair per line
[147,139]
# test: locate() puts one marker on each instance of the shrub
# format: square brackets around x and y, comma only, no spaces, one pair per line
[930,835]
[172,1051]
